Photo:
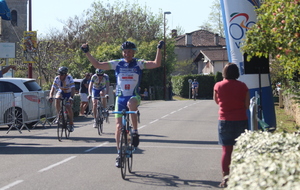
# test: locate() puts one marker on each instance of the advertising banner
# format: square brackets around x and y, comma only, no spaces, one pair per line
[238,17]
[29,46]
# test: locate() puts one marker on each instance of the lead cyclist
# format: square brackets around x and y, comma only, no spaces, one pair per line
[128,72]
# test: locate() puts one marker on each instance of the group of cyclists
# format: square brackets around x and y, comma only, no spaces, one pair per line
[128,72]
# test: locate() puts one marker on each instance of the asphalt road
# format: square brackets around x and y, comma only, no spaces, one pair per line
[178,150]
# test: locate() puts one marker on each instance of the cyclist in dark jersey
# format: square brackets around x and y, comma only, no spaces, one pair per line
[128,76]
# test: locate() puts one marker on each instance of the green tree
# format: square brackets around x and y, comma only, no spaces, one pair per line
[214,22]
[122,20]
[104,27]
[277,33]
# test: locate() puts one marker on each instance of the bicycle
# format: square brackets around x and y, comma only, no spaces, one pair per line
[194,94]
[102,115]
[126,146]
[62,121]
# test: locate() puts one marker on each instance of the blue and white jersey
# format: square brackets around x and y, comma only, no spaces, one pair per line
[195,84]
[128,76]
[64,86]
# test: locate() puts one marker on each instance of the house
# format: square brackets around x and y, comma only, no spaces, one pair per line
[205,49]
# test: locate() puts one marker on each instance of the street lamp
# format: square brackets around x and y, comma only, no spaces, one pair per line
[165,13]
[30,29]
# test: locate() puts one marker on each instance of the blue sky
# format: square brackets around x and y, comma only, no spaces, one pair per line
[188,14]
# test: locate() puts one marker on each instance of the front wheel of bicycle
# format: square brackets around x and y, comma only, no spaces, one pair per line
[123,154]
[60,127]
[67,129]
[99,121]
[130,154]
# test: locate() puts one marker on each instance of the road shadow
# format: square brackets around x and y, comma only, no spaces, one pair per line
[169,180]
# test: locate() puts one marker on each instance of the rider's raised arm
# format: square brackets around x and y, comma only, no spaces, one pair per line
[157,62]
[95,63]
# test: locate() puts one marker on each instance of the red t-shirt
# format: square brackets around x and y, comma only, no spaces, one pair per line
[231,96]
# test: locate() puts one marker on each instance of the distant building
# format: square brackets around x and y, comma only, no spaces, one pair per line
[205,49]
[12,31]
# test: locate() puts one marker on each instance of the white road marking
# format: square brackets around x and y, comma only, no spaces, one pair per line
[142,126]
[57,164]
[11,185]
[165,116]
[89,150]
[154,121]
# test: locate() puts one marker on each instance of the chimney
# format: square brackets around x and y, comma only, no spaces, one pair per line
[216,39]
[188,39]
[174,33]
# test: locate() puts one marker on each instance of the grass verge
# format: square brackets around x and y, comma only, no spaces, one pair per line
[285,123]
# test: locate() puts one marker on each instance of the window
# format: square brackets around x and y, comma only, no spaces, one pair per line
[14,18]
[32,86]
[9,87]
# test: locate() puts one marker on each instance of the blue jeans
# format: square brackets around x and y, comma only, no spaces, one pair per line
[230,130]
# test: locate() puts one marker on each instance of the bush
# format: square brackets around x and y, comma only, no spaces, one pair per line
[262,160]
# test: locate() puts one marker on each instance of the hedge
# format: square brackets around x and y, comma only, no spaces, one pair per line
[206,85]
[263,160]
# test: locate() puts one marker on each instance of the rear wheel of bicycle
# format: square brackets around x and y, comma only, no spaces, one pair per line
[130,155]
[123,154]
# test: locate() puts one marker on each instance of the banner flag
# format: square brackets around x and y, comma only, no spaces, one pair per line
[29,46]
[238,17]
[4,10]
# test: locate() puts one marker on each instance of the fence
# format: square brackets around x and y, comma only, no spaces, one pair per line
[25,109]
[7,110]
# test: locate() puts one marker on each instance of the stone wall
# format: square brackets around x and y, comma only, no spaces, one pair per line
[12,33]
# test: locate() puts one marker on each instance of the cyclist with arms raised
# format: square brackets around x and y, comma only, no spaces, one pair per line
[128,71]
[64,86]
[99,87]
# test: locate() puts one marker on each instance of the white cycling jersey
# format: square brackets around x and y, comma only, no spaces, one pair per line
[64,86]
[97,84]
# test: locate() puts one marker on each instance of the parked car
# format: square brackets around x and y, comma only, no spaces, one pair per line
[17,86]
[77,85]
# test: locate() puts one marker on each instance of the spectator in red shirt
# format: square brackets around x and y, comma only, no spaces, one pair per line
[233,98]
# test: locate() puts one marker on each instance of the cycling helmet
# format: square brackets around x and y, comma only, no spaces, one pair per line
[62,70]
[99,72]
[128,45]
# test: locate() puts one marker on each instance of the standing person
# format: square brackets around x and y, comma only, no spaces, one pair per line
[146,94]
[83,91]
[233,98]
[128,72]
[6,69]
[195,85]
[64,86]
[99,87]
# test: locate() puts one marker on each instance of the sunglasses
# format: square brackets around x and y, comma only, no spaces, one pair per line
[100,75]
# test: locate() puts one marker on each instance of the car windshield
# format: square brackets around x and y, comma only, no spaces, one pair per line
[32,86]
